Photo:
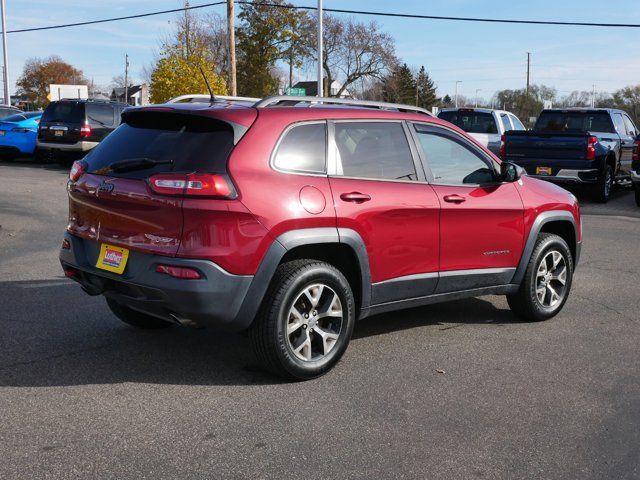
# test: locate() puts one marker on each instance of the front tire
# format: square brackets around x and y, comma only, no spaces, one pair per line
[305,322]
[547,280]
[136,319]
[604,186]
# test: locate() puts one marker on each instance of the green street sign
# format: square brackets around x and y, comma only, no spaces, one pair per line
[296,92]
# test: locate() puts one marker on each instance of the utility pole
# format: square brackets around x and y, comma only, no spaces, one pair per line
[528,70]
[593,96]
[477,90]
[5,71]
[320,58]
[126,78]
[232,47]
[456,97]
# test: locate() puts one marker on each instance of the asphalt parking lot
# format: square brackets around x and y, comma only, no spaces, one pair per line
[84,396]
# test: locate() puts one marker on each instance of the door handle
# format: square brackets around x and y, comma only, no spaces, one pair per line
[355,197]
[454,198]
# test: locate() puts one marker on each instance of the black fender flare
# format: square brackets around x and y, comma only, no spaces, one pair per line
[539,222]
[296,238]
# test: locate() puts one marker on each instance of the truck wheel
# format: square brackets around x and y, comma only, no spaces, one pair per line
[638,196]
[605,185]
[136,319]
[547,280]
[305,322]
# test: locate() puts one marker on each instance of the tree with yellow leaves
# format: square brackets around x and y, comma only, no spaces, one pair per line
[178,69]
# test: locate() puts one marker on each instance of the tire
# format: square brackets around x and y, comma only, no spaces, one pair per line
[526,302]
[638,195]
[604,186]
[136,319]
[316,343]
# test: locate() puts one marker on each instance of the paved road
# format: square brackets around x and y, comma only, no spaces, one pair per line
[84,396]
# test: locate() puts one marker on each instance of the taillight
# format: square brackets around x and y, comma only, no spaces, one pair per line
[591,148]
[192,184]
[185,273]
[85,131]
[77,169]
[635,156]
[21,130]
[503,147]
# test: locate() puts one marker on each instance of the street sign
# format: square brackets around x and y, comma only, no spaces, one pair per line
[296,92]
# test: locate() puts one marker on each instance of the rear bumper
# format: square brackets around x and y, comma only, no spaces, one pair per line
[81,146]
[214,300]
[567,175]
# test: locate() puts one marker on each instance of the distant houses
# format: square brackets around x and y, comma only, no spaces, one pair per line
[136,95]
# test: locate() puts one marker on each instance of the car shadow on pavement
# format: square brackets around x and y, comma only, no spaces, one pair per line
[54,335]
[31,164]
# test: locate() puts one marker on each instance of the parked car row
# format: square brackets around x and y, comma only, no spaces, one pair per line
[67,129]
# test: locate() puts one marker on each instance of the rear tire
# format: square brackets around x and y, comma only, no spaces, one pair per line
[604,186]
[545,287]
[136,319]
[305,322]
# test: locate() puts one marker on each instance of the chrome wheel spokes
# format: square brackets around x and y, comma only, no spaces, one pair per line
[314,322]
[551,279]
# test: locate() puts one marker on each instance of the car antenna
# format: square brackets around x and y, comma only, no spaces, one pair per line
[204,77]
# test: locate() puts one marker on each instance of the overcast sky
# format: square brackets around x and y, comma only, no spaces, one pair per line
[483,56]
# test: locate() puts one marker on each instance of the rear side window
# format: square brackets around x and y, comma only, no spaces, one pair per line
[505,122]
[303,149]
[558,121]
[470,121]
[179,143]
[377,150]
[100,115]
[631,129]
[71,112]
[517,124]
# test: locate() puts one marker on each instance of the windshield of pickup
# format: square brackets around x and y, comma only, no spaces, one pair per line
[574,121]
[471,122]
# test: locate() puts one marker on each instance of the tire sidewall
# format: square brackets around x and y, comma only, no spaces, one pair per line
[602,184]
[333,279]
[544,247]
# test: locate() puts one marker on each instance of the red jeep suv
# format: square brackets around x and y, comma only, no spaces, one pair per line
[293,217]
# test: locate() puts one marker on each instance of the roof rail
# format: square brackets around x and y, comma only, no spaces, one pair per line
[293,100]
[202,98]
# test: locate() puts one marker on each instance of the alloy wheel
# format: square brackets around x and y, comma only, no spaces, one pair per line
[314,322]
[551,279]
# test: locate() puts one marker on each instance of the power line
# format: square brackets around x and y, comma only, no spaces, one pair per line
[336,10]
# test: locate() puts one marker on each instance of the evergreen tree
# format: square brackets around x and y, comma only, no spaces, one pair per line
[400,86]
[426,90]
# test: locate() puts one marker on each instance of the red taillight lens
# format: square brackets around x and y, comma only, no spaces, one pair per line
[77,169]
[66,244]
[503,147]
[85,131]
[193,184]
[184,273]
[636,151]
[71,272]
[591,148]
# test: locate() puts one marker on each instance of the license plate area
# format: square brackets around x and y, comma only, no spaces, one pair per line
[543,170]
[112,259]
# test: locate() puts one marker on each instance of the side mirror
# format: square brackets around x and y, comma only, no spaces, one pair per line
[510,172]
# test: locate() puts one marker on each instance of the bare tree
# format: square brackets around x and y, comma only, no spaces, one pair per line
[354,51]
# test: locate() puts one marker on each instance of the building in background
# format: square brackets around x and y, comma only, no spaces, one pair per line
[311,89]
[137,95]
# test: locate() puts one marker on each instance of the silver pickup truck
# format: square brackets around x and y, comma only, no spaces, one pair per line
[484,124]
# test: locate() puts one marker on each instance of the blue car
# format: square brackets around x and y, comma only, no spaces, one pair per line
[18,134]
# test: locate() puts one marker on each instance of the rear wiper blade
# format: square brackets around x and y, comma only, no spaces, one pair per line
[137,164]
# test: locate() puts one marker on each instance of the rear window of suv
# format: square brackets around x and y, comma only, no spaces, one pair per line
[71,112]
[177,142]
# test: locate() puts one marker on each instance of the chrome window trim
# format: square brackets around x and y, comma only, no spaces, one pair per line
[272,158]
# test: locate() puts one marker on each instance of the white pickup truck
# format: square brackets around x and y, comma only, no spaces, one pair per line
[484,124]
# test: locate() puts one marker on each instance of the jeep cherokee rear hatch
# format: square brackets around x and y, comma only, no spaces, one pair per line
[129,190]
